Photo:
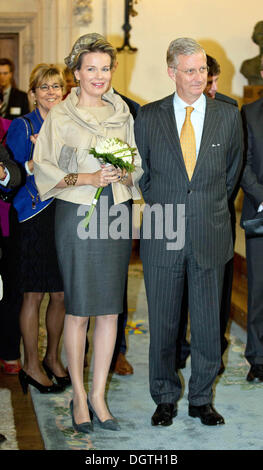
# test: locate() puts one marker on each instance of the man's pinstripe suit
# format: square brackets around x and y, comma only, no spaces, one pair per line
[208,240]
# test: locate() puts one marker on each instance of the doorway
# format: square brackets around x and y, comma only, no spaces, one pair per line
[9,48]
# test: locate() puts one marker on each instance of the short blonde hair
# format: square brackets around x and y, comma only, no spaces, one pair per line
[43,72]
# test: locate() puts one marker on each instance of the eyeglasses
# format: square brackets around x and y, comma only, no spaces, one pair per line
[192,72]
[45,87]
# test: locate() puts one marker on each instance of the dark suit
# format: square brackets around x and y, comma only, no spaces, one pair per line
[252,184]
[11,303]
[17,104]
[229,268]
[183,347]
[15,173]
[208,240]
[225,98]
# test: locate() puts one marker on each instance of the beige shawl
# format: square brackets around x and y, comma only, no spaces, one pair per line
[76,128]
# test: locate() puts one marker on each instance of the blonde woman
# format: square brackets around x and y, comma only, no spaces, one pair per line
[39,267]
[94,270]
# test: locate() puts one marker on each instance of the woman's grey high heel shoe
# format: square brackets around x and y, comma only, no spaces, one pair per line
[110,424]
[82,427]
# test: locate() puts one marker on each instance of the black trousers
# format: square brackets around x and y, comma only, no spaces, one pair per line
[182,346]
[164,289]
[11,303]
[254,347]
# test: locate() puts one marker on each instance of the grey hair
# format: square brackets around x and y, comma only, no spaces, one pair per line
[182,46]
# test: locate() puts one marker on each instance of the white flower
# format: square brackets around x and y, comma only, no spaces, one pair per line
[116,147]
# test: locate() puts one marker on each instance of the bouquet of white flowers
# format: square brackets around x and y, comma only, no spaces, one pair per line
[111,151]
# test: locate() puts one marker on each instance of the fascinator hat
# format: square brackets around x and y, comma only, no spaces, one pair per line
[92,42]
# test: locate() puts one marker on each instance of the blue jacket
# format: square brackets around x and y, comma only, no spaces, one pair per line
[19,143]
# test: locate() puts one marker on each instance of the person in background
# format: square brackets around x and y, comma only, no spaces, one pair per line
[195,174]
[252,184]
[39,266]
[10,177]
[4,123]
[211,89]
[15,102]
[69,81]
[94,269]
[10,305]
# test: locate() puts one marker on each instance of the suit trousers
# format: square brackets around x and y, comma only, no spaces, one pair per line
[164,289]
[254,347]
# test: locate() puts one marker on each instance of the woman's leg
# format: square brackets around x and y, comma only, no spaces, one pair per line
[104,339]
[75,331]
[55,316]
[29,325]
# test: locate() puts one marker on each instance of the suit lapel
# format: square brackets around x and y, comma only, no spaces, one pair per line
[210,133]
[168,124]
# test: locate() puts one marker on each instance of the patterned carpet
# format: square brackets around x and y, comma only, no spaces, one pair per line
[7,425]
[129,400]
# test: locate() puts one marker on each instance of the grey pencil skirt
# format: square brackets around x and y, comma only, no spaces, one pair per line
[94,261]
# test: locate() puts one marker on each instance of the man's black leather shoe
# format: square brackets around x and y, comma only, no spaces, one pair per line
[255,372]
[164,414]
[207,414]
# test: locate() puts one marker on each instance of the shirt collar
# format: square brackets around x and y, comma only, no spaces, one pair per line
[198,105]
[6,92]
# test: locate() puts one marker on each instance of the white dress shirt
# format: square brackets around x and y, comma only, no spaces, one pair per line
[197,116]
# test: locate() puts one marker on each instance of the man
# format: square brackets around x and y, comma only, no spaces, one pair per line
[212,82]
[200,184]
[15,101]
[252,184]
[183,347]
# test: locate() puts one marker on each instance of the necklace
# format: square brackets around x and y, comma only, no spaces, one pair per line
[35,199]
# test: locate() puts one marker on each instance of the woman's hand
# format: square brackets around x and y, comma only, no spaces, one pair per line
[106,176]
[33,138]
[30,164]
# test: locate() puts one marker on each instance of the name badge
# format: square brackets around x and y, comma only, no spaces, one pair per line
[15,111]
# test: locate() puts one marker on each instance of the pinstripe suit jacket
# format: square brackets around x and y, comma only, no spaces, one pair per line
[252,178]
[205,197]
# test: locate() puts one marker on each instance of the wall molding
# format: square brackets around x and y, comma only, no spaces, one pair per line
[26,25]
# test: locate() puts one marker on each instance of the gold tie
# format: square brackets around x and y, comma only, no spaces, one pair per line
[187,140]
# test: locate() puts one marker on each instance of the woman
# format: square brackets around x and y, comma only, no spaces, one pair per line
[94,270]
[39,267]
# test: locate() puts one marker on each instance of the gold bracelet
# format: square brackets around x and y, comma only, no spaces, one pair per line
[71,179]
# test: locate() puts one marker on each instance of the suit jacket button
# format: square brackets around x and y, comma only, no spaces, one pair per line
[189,191]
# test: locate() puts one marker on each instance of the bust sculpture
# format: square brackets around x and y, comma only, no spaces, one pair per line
[251,68]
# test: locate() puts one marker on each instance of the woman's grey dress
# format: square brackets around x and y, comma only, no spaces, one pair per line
[94,269]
